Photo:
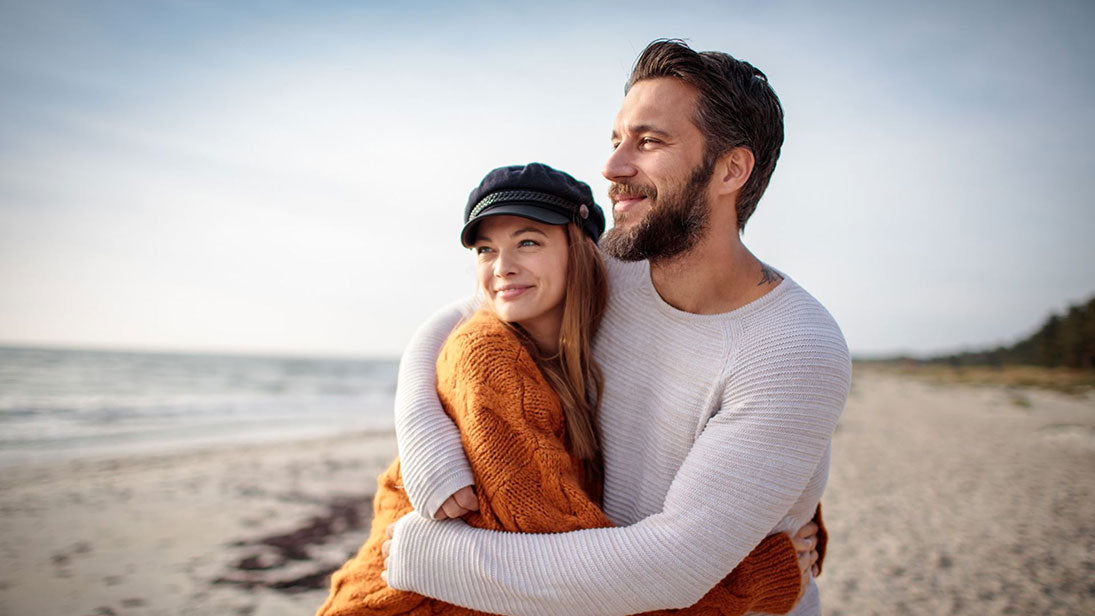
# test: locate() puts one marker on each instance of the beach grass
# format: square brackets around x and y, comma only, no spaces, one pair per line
[1065,380]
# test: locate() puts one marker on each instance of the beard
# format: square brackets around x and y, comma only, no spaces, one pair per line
[674,223]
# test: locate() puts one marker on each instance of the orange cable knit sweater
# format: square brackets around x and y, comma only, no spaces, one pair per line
[514,434]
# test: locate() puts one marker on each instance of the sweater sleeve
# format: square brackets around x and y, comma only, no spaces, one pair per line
[434,464]
[742,474]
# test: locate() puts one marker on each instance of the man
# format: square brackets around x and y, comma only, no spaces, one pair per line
[724,380]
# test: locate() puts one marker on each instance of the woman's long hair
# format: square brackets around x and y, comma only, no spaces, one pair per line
[572,372]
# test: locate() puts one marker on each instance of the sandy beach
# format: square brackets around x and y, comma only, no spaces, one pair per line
[942,500]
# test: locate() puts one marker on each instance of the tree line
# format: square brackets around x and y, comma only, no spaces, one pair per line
[1063,341]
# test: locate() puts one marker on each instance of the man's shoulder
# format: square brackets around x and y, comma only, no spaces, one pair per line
[793,306]
[791,325]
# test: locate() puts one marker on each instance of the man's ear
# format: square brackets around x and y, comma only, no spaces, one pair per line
[733,169]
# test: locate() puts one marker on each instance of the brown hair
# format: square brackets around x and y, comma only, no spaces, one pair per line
[572,372]
[736,107]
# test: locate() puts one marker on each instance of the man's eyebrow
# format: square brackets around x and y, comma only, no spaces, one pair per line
[642,129]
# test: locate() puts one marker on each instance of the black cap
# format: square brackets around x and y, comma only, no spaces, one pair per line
[534,191]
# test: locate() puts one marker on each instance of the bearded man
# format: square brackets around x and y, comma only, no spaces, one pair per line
[724,379]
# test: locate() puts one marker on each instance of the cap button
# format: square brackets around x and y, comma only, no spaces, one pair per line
[583,211]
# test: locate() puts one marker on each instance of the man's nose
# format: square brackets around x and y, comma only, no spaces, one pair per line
[620,164]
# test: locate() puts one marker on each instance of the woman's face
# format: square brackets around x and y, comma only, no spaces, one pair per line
[523,271]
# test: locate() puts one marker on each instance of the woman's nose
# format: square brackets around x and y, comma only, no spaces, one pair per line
[505,264]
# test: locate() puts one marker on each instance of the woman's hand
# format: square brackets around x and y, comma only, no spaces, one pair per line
[805,542]
[463,502]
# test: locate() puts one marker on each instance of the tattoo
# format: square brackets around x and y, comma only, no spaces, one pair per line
[768,275]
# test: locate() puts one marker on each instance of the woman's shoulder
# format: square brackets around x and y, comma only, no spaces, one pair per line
[483,343]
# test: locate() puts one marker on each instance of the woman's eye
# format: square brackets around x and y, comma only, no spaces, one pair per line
[529,243]
[479,250]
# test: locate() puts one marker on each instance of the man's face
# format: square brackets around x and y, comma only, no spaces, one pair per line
[659,179]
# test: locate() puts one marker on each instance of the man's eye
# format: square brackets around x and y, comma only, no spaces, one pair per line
[648,141]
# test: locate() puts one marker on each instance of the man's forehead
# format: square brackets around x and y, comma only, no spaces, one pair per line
[661,105]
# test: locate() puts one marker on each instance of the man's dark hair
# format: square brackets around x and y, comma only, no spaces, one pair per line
[735,108]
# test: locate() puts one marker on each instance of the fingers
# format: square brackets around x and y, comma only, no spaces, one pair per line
[461,503]
[807,562]
[804,544]
[804,562]
[465,497]
[386,550]
[809,530]
[807,557]
[450,509]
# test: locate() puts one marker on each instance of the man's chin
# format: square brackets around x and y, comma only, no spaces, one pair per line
[619,242]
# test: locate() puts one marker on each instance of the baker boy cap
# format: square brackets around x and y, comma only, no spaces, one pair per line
[534,191]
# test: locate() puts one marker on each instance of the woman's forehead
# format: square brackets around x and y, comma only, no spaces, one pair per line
[507,225]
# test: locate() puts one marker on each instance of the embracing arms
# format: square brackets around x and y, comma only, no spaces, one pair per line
[741,476]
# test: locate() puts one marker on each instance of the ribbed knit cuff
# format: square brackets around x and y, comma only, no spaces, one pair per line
[771,573]
[443,487]
[413,557]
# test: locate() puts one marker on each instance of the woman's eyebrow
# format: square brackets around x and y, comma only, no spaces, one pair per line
[526,230]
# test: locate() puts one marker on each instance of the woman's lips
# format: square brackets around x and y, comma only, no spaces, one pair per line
[511,291]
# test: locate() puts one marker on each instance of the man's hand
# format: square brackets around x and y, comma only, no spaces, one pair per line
[386,550]
[460,504]
[805,542]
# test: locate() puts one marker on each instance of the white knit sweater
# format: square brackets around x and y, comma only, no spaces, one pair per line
[715,431]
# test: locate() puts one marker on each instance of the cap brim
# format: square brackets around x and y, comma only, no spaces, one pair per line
[533,211]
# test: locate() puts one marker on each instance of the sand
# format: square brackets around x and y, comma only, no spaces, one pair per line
[942,500]
[961,500]
[234,530]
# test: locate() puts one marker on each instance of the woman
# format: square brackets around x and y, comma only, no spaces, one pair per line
[519,379]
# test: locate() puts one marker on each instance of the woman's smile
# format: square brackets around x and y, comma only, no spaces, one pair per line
[511,291]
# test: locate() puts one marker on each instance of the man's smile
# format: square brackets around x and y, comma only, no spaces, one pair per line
[623,203]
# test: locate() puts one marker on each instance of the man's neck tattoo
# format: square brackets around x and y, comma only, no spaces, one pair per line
[768,275]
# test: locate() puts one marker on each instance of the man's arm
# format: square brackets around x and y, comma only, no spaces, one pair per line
[433,462]
[742,475]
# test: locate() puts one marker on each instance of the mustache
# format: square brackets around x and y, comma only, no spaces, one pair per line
[624,188]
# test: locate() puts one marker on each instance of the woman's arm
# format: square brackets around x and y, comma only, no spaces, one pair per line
[434,463]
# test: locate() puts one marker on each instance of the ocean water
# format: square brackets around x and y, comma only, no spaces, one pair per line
[57,403]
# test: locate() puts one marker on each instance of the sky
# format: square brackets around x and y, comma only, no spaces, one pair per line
[290,178]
